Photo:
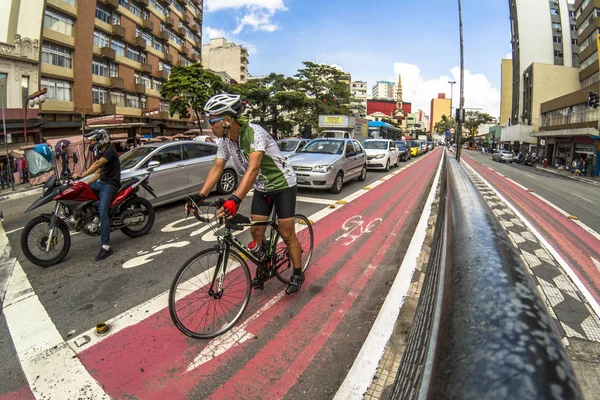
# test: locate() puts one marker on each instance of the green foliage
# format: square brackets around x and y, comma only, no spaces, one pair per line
[475,118]
[445,123]
[272,101]
[190,88]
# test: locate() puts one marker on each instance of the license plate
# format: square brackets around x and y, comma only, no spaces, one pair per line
[301,179]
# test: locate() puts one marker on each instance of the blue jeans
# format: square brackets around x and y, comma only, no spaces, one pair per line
[106,193]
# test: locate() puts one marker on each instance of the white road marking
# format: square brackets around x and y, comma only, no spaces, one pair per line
[14,230]
[314,200]
[139,313]
[170,245]
[363,369]
[140,260]
[583,198]
[172,226]
[566,267]
[596,263]
[52,369]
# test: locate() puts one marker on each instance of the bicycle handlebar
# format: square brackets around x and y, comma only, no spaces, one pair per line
[231,223]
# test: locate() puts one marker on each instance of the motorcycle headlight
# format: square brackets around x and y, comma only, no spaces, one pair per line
[379,156]
[322,168]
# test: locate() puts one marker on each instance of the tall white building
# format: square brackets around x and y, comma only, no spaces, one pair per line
[384,90]
[222,56]
[542,31]
[359,90]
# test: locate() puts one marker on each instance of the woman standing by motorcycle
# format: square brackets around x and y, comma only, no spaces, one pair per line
[105,182]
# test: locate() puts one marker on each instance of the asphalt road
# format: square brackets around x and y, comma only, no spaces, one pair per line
[575,197]
[79,292]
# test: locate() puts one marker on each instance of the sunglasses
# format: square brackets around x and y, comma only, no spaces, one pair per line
[214,121]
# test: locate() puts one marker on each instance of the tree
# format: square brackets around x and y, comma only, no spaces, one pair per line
[326,91]
[190,88]
[272,100]
[475,118]
[444,124]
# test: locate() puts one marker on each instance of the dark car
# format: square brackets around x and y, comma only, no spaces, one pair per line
[403,149]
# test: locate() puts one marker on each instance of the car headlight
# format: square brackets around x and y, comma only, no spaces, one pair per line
[322,168]
[380,156]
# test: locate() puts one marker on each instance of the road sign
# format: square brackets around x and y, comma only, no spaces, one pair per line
[447,131]
[452,131]
[448,136]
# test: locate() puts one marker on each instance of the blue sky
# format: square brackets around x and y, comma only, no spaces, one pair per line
[373,41]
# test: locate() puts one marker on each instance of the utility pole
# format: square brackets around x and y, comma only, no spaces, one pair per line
[462,83]
[8,163]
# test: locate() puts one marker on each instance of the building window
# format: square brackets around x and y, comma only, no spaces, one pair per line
[158,7]
[57,90]
[132,6]
[99,67]
[132,54]
[57,55]
[556,26]
[590,80]
[573,28]
[574,42]
[164,105]
[145,13]
[24,88]
[143,102]
[101,39]
[102,14]
[99,95]
[146,81]
[58,23]
[3,82]
[136,77]
[177,6]
[142,57]
[117,98]
[147,37]
[554,11]
[113,70]
[118,47]
[133,101]
[116,18]
[557,39]
[157,85]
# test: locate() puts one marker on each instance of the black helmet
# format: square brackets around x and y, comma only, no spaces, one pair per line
[101,136]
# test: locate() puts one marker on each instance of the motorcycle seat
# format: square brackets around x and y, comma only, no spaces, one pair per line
[125,184]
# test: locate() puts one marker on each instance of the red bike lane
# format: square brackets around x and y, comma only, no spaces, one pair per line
[574,244]
[278,336]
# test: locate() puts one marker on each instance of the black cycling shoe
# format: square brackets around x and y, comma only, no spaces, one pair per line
[259,280]
[295,284]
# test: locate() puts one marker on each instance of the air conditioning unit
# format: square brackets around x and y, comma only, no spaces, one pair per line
[558,29]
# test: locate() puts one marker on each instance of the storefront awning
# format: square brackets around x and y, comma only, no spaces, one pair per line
[566,132]
[116,126]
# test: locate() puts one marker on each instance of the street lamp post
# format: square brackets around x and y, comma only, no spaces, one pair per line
[33,100]
[148,113]
[5,136]
[462,83]
[452,83]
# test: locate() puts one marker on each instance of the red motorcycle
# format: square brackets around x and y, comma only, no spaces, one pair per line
[45,240]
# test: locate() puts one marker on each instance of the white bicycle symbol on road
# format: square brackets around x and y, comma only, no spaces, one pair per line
[354,228]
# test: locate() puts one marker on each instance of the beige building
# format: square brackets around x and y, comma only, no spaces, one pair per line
[439,107]
[220,55]
[506,95]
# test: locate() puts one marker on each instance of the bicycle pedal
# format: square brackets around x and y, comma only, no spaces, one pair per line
[259,287]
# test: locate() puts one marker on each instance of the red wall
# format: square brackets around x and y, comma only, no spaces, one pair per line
[386,107]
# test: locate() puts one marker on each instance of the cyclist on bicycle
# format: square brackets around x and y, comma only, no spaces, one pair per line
[255,156]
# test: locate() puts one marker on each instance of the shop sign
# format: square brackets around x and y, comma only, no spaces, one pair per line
[543,142]
[105,120]
[584,149]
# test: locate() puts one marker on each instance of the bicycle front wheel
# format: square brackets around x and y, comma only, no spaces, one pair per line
[306,238]
[197,306]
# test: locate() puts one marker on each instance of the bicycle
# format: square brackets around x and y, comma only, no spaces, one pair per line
[212,273]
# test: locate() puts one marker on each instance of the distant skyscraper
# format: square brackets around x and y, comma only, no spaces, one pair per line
[221,55]
[384,90]
[542,31]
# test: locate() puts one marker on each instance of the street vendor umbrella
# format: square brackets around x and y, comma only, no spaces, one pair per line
[44,151]
[60,145]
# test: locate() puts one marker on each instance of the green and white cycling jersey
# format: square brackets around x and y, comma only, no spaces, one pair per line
[275,171]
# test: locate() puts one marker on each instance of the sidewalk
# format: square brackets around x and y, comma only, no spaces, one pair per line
[24,190]
[567,174]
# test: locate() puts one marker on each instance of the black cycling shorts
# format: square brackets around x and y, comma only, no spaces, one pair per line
[283,200]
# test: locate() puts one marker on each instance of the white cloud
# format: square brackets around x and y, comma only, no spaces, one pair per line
[257,13]
[479,92]
[213,33]
[508,55]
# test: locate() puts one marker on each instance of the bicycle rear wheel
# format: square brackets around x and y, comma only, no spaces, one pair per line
[196,311]
[306,237]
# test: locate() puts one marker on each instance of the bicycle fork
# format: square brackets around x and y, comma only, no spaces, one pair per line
[221,266]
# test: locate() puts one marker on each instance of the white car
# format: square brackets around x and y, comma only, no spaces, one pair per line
[290,147]
[381,153]
[204,138]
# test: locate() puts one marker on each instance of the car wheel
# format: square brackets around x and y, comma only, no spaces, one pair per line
[387,165]
[397,161]
[227,183]
[337,184]
[363,174]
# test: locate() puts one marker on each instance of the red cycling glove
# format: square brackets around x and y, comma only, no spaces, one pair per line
[231,205]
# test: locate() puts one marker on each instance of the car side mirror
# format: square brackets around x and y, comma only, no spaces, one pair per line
[153,164]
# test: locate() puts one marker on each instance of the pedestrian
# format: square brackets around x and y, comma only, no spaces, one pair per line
[3,177]
[573,166]
[583,166]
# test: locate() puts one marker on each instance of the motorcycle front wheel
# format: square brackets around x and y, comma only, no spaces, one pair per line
[138,206]
[35,237]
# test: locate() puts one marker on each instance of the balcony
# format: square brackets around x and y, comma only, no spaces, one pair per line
[140,88]
[185,18]
[111,3]
[145,3]
[119,31]
[147,68]
[148,25]
[169,21]
[108,108]
[117,83]
[169,58]
[194,57]
[109,53]
[164,36]
[179,30]
[140,42]
[163,75]
[163,115]
[185,50]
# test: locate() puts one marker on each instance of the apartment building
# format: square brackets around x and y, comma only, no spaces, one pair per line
[384,90]
[542,31]
[568,126]
[222,56]
[358,90]
[439,107]
[111,57]
[20,23]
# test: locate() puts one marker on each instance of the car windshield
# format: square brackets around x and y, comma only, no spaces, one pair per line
[324,146]
[401,145]
[134,156]
[375,144]
[287,145]
[412,143]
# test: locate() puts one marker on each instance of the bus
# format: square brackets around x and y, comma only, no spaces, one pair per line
[383,130]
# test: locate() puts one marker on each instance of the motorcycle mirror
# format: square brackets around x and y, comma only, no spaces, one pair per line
[153,164]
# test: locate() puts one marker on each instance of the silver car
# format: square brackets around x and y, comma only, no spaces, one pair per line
[289,147]
[328,163]
[502,156]
[178,169]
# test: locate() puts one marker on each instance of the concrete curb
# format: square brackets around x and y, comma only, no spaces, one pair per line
[575,178]
[20,195]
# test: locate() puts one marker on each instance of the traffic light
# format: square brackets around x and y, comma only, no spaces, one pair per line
[460,116]
[593,100]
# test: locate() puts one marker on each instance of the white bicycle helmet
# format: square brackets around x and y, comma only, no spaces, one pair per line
[224,104]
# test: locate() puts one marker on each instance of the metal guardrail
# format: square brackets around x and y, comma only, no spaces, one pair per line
[481,330]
